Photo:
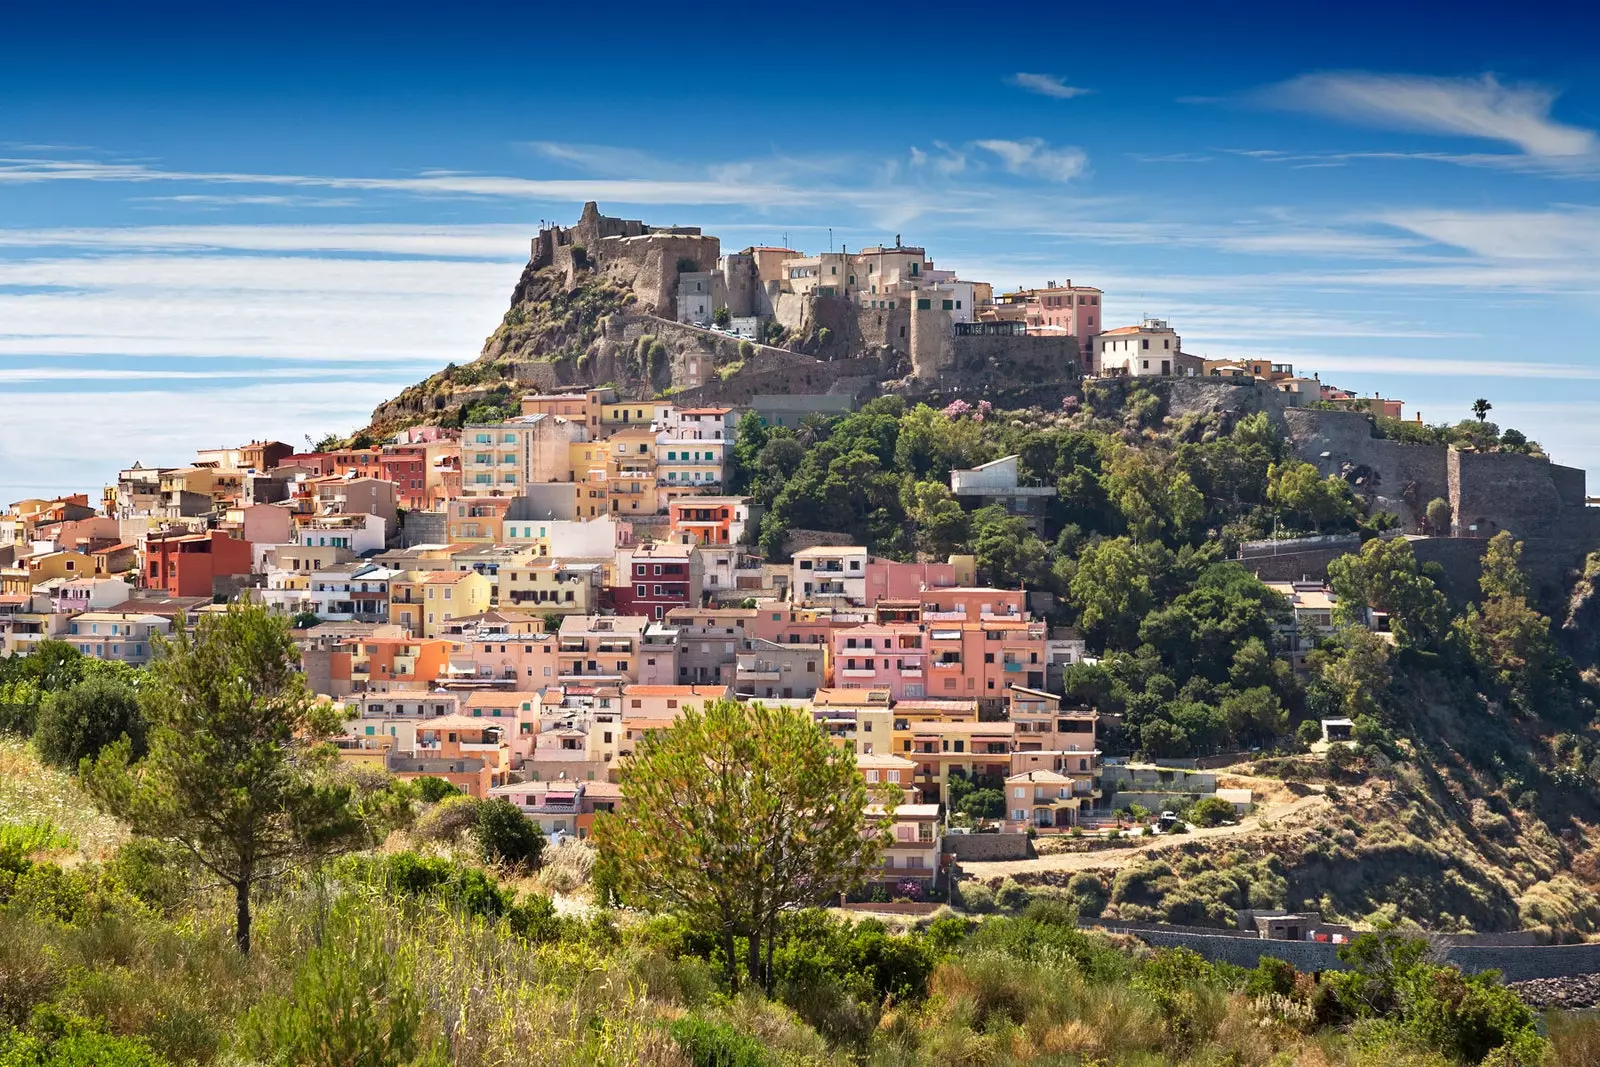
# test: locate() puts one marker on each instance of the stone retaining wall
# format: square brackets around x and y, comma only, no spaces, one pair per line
[1516,963]
[989,846]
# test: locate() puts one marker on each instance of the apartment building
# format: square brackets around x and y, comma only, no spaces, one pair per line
[182,564]
[710,642]
[503,458]
[448,595]
[395,664]
[1052,737]
[875,656]
[358,533]
[830,574]
[657,577]
[768,670]
[599,649]
[709,520]
[550,586]
[124,636]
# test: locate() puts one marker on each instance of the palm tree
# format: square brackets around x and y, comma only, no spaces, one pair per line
[1481,408]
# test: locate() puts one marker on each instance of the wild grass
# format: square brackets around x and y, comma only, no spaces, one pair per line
[31,791]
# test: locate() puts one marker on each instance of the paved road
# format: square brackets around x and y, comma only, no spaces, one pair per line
[1139,847]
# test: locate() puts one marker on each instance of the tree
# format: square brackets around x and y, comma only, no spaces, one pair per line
[737,814]
[1505,633]
[984,804]
[235,772]
[1481,408]
[1439,516]
[722,317]
[507,836]
[26,682]
[1113,587]
[304,620]
[1354,668]
[1384,576]
[76,724]
[1299,489]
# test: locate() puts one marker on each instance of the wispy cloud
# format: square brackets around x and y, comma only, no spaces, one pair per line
[1482,108]
[205,200]
[1047,85]
[1034,158]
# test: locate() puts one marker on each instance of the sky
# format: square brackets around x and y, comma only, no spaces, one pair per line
[226,222]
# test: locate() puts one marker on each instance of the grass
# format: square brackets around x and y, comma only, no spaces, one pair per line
[31,791]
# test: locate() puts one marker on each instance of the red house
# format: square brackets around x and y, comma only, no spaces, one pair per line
[660,577]
[407,467]
[194,564]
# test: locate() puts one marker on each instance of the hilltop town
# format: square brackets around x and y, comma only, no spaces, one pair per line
[1209,651]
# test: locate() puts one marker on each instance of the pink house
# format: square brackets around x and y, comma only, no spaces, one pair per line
[890,580]
[878,656]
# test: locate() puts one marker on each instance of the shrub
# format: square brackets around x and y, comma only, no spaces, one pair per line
[74,1043]
[1010,896]
[709,1044]
[352,1001]
[76,724]
[153,872]
[1089,892]
[1308,732]
[746,350]
[1211,811]
[506,836]
[977,897]
[447,820]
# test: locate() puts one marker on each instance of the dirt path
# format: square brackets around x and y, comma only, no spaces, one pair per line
[1139,848]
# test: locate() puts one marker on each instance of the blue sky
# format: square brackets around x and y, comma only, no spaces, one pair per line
[219,224]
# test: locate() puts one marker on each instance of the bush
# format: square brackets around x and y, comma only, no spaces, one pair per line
[352,1001]
[434,790]
[709,1044]
[1211,811]
[74,1043]
[746,350]
[76,724]
[1089,892]
[506,836]
[1010,896]
[977,897]
[153,872]
[1308,732]
[449,819]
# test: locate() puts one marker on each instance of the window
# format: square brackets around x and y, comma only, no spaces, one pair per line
[949,305]
[924,305]
[640,591]
[1144,342]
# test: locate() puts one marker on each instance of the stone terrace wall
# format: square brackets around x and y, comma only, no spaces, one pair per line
[1399,477]
[989,846]
[1516,963]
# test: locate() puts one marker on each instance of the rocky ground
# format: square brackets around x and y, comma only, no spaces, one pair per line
[1576,991]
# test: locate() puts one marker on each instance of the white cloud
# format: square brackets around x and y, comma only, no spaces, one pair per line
[1469,107]
[164,426]
[1034,158]
[1047,85]
[492,241]
[1571,235]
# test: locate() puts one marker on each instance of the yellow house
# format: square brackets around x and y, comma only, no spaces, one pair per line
[450,595]
[406,598]
[631,472]
[66,563]
[548,586]
[626,414]
[944,736]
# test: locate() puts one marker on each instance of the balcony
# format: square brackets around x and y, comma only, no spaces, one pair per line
[859,672]
[759,674]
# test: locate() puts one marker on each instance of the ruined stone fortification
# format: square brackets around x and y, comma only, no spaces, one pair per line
[1540,502]
[630,254]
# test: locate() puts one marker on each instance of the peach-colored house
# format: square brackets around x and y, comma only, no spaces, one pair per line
[874,656]
[658,702]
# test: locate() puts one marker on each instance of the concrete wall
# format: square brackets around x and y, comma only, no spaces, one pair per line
[423,528]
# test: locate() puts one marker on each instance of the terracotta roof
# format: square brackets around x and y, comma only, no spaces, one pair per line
[712,691]
[445,577]
[501,700]
[459,722]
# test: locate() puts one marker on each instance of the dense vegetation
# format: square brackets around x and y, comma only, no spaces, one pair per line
[420,956]
[1134,546]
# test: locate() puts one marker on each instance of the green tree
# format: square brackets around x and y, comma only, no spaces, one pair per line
[1113,586]
[1481,408]
[737,814]
[506,836]
[1506,634]
[1384,576]
[1439,517]
[938,518]
[235,772]
[984,804]
[722,317]
[1298,489]
[1354,668]
[76,724]
[27,681]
